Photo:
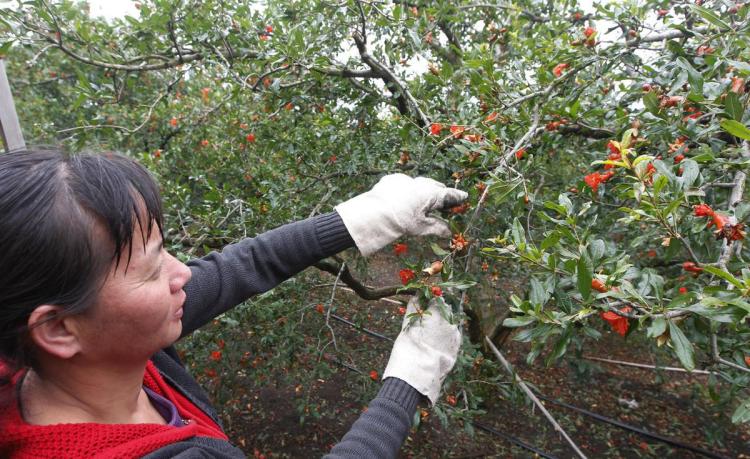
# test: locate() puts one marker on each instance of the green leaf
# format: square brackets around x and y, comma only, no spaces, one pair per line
[725,275]
[519,236]
[458,285]
[710,16]
[682,346]
[551,240]
[736,128]
[657,328]
[565,202]
[704,158]
[538,294]
[694,77]
[584,277]
[515,322]
[651,102]
[597,248]
[733,106]
[742,67]
[742,413]
[690,172]
[437,250]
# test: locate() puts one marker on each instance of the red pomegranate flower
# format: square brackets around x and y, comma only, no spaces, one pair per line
[559,69]
[406,276]
[703,210]
[618,323]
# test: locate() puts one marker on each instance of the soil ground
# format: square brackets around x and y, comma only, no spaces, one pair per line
[263,415]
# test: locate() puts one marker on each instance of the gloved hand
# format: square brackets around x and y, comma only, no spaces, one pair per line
[397,206]
[425,350]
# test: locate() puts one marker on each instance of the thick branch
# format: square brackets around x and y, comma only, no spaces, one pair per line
[738,188]
[362,290]
[586,131]
[664,36]
[404,98]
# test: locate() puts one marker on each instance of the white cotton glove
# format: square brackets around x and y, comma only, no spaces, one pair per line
[396,206]
[425,350]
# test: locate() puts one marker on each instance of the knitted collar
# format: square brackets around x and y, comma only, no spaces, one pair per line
[21,440]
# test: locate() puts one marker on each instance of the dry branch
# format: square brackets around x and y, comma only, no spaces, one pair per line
[534,398]
[362,290]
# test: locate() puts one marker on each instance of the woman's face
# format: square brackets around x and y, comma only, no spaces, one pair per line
[139,308]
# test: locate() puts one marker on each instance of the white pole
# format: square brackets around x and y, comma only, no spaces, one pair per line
[10,128]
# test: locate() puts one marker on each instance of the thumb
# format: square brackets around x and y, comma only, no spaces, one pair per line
[452,197]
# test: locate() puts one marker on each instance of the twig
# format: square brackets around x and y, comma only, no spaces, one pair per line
[330,306]
[533,398]
[360,328]
[718,359]
[650,367]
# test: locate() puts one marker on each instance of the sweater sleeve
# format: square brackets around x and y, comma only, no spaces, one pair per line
[381,429]
[222,280]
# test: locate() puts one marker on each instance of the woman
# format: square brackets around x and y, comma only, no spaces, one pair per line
[91,304]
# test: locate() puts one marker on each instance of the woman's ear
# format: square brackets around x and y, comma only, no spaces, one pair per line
[53,332]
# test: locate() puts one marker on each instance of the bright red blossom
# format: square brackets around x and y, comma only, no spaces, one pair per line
[692,267]
[594,179]
[598,285]
[435,128]
[436,291]
[618,323]
[250,137]
[374,375]
[589,31]
[216,356]
[614,148]
[406,275]
[559,69]
[703,210]
[520,152]
[683,290]
[400,249]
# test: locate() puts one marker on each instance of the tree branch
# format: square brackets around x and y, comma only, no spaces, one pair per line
[533,398]
[362,290]
[585,131]
[406,101]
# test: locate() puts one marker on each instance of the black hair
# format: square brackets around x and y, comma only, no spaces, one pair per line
[64,220]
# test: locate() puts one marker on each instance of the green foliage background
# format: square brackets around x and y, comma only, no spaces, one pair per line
[338,94]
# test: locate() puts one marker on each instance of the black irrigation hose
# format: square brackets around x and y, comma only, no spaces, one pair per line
[513,440]
[637,430]
[591,414]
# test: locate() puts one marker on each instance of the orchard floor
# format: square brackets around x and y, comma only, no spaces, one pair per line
[264,417]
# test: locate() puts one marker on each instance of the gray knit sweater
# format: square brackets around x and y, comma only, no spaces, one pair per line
[220,281]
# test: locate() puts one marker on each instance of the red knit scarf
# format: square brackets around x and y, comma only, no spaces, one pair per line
[21,440]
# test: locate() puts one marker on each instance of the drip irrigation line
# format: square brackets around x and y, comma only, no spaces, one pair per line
[637,430]
[590,414]
[362,329]
[513,440]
